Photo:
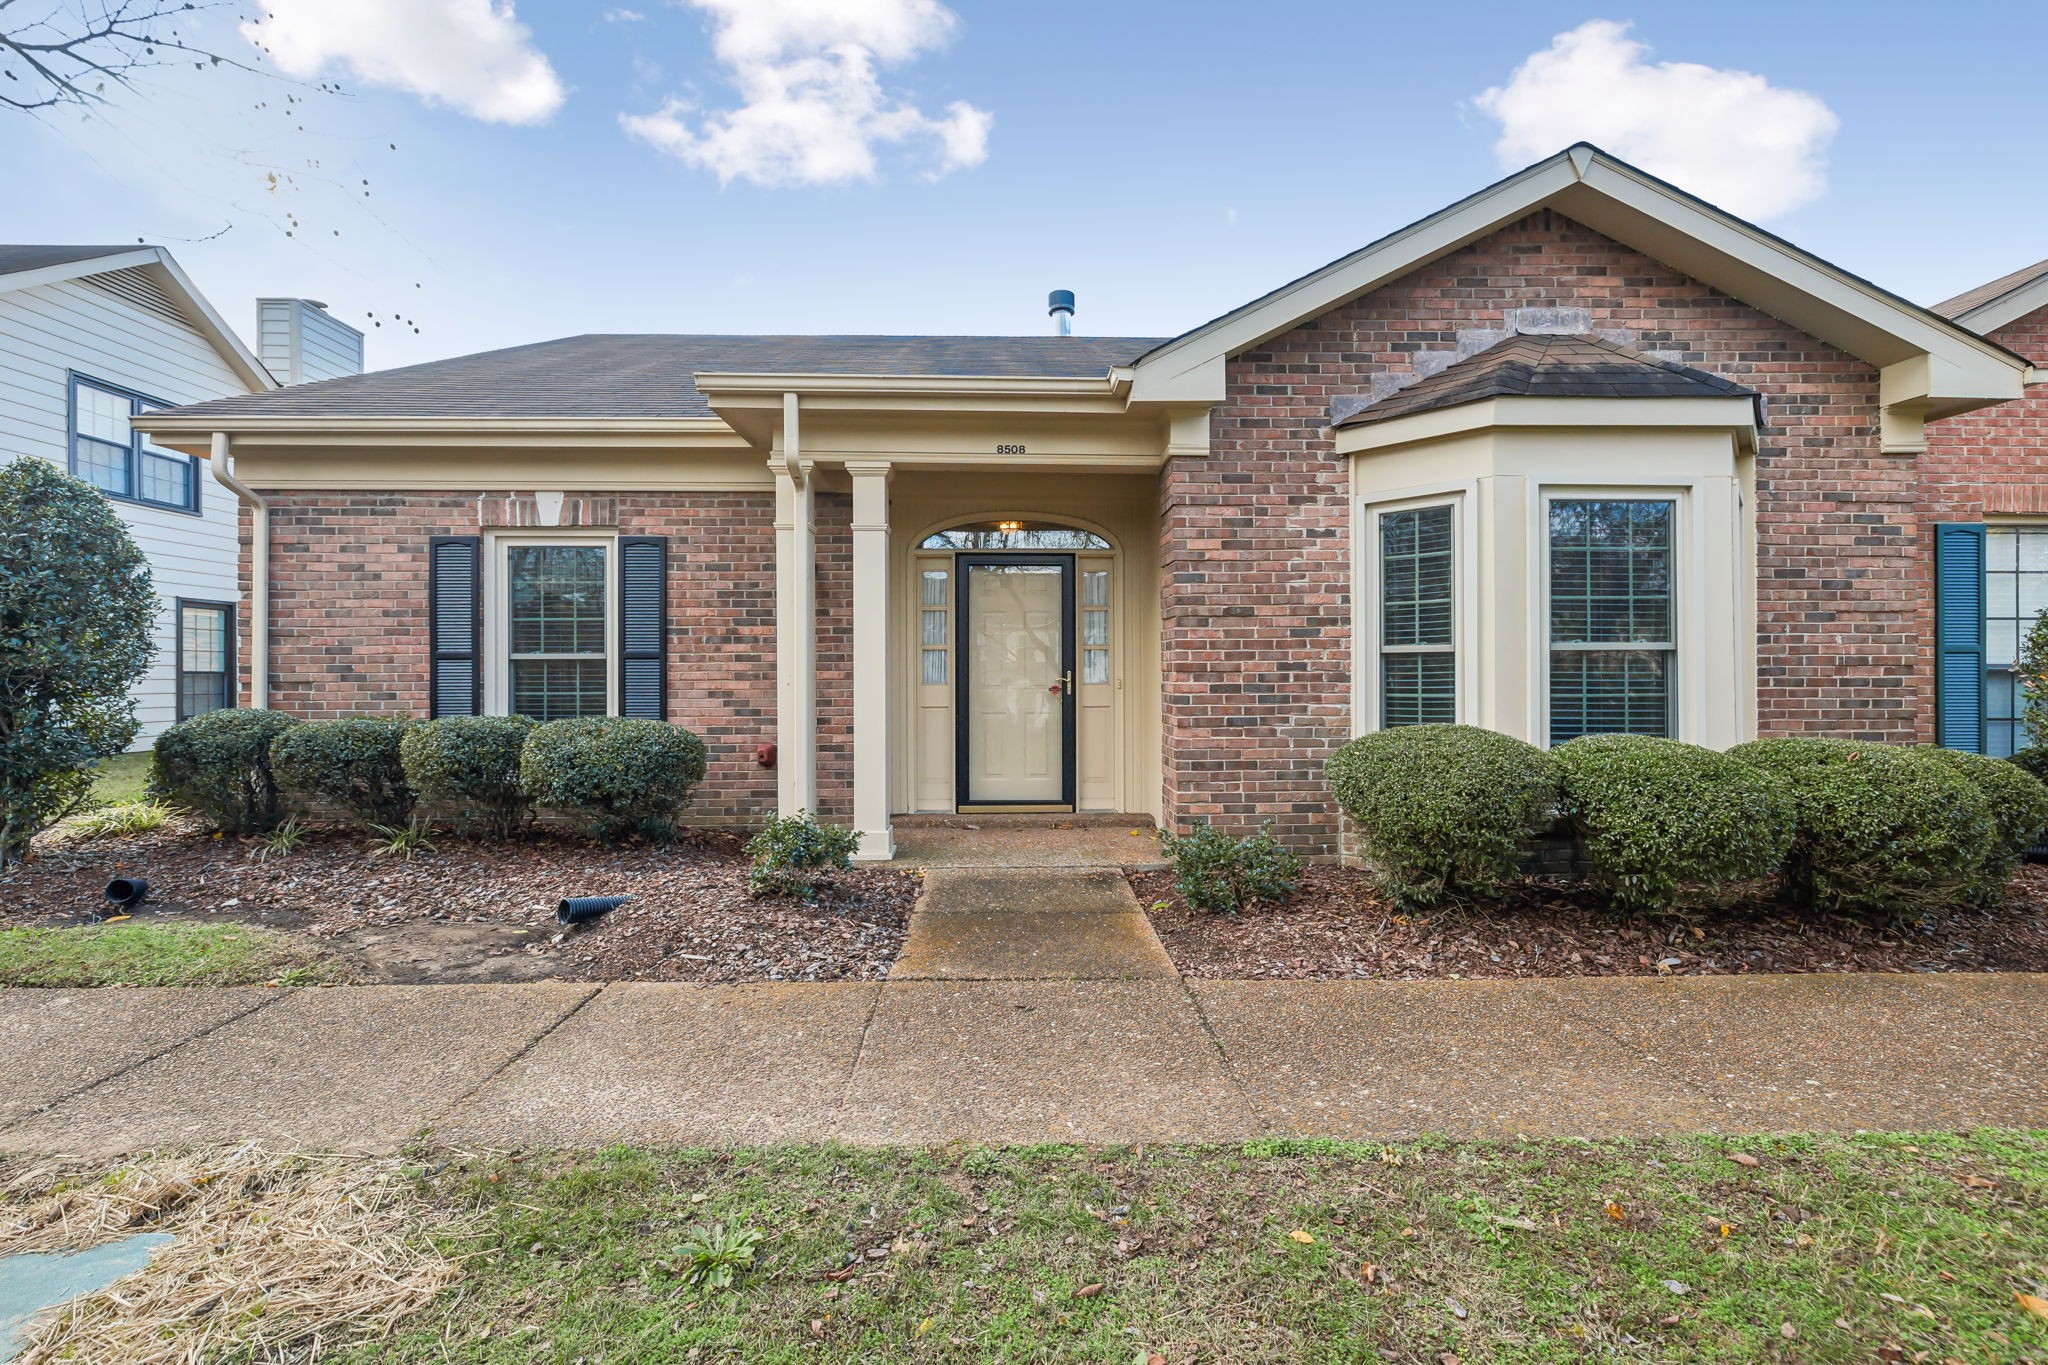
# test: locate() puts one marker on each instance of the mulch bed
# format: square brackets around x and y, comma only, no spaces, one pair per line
[690,919]
[1338,926]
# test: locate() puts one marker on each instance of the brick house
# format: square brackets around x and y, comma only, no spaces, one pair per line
[1577,453]
[1986,476]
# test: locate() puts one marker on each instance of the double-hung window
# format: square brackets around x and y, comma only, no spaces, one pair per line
[1418,656]
[111,455]
[206,657]
[558,630]
[2015,592]
[1611,639]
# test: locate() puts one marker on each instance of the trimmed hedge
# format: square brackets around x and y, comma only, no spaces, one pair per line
[352,763]
[1216,872]
[2019,806]
[470,763]
[1882,831]
[1656,816]
[1442,809]
[613,774]
[218,767]
[792,854]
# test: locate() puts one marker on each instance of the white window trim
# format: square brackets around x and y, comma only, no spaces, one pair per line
[1365,669]
[1688,574]
[498,601]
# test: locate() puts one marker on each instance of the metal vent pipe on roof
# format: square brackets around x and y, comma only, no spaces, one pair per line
[1059,305]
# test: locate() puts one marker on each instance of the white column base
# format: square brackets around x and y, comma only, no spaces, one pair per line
[876,845]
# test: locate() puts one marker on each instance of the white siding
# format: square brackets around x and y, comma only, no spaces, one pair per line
[52,330]
[300,343]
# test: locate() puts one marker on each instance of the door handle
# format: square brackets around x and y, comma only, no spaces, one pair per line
[1065,686]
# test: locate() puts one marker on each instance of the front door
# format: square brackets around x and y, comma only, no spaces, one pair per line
[1014,709]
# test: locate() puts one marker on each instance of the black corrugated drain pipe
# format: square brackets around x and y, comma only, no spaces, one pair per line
[583,909]
[125,893]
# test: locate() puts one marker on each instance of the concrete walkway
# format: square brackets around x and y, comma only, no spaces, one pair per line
[922,1061]
[1040,924]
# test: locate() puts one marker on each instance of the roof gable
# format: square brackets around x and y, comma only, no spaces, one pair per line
[25,267]
[2006,299]
[1932,366]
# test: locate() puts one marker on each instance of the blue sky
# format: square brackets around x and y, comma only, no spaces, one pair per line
[1165,162]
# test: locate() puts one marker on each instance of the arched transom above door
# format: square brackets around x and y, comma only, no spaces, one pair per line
[1013,535]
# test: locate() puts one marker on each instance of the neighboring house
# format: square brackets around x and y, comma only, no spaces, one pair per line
[1578,453]
[90,338]
[1988,472]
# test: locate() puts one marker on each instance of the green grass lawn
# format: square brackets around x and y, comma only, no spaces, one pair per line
[122,778]
[1827,1249]
[154,955]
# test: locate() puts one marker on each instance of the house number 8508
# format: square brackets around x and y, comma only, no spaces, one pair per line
[1010,450]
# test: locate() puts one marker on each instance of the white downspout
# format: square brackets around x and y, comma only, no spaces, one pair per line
[259,572]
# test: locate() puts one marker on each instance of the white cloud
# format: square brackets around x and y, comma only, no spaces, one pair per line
[623,16]
[472,55]
[813,110]
[1730,137]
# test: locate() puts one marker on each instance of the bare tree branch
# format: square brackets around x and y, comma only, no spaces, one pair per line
[70,51]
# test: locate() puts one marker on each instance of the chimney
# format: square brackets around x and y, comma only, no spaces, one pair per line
[299,343]
[1059,305]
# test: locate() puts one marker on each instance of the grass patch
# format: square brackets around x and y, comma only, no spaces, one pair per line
[156,955]
[1827,1249]
[124,777]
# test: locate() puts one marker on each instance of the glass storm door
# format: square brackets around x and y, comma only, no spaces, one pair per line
[1014,713]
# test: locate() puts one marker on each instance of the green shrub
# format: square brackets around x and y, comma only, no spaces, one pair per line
[613,774]
[351,763]
[2018,802]
[472,764]
[1213,871]
[1655,816]
[75,616]
[218,767]
[791,851]
[1442,809]
[2032,761]
[1879,830]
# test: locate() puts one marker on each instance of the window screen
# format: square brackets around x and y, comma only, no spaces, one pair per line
[1610,617]
[556,607]
[1418,651]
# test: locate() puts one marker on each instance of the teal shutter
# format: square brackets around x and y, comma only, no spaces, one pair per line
[1959,636]
[643,627]
[454,626]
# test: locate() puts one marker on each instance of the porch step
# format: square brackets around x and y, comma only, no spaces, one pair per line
[1041,925]
[1027,841]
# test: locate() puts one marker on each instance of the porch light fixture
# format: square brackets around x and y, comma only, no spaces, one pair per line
[1010,527]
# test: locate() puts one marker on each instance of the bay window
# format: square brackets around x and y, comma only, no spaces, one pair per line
[1418,658]
[1611,639]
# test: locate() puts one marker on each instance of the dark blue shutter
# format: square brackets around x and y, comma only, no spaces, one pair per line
[1959,636]
[455,680]
[643,627]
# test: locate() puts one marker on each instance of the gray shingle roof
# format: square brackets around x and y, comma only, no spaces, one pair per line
[1549,367]
[14,259]
[651,375]
[1996,289]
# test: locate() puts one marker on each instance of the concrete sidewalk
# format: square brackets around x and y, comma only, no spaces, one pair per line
[108,1071]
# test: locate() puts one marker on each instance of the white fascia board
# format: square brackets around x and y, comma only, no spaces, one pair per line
[71,270]
[2010,307]
[1510,412]
[215,328]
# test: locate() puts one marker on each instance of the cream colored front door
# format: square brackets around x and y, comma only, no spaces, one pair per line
[1016,680]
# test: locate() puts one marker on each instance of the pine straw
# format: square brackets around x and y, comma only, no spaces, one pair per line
[275,1257]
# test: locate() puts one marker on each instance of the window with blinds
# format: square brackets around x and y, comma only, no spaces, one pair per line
[1611,644]
[1418,617]
[557,631]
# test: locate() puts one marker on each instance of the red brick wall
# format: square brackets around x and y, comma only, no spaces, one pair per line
[1255,559]
[349,636]
[1994,461]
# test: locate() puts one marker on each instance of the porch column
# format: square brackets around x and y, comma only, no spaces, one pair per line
[871,746]
[796,641]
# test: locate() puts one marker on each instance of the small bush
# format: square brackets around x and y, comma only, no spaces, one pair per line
[402,841]
[1215,872]
[2033,762]
[791,852]
[1442,809]
[351,763]
[281,842]
[613,774]
[2019,806]
[218,767]
[121,818]
[1879,831]
[471,763]
[1656,816]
